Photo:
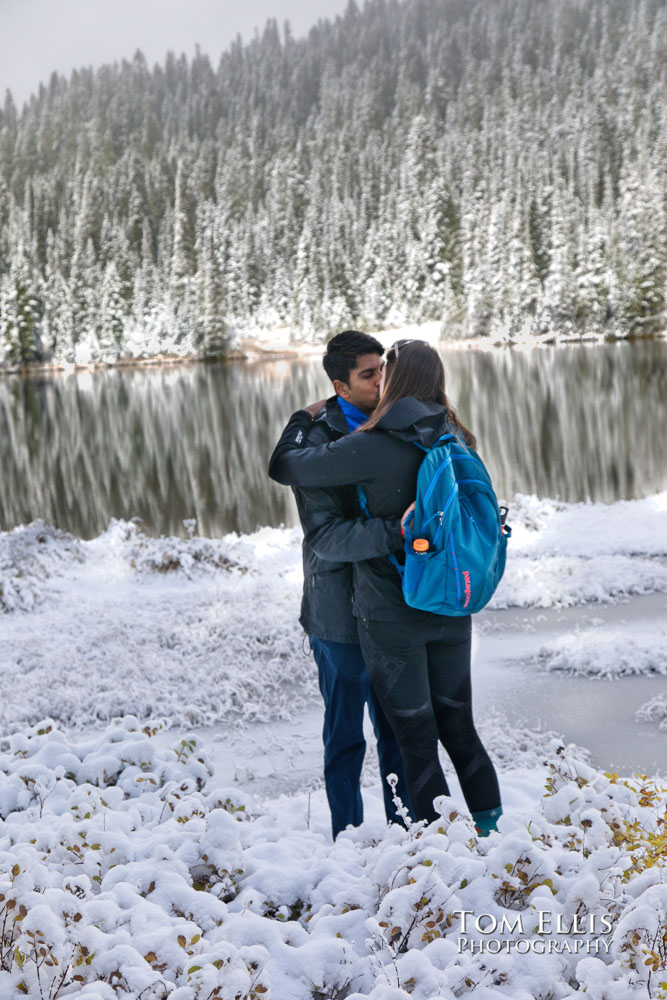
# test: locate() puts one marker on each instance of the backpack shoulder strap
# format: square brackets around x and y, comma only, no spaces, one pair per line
[363,499]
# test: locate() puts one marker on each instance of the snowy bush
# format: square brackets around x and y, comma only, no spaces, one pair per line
[128,874]
[29,558]
[655,710]
[166,555]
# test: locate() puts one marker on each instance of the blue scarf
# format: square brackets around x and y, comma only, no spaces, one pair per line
[353,415]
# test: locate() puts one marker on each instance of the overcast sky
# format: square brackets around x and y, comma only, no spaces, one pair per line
[39,36]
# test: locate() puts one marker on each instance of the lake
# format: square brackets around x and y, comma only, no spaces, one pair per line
[581,422]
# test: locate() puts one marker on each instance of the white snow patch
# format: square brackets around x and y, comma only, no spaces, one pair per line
[612,653]
[197,630]
[626,527]
[562,554]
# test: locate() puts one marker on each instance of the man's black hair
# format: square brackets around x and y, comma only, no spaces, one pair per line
[343,351]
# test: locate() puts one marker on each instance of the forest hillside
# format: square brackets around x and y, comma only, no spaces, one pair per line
[496,166]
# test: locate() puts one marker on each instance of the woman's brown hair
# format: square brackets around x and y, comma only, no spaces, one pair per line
[415,369]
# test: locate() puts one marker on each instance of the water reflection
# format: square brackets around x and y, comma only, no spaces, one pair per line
[168,444]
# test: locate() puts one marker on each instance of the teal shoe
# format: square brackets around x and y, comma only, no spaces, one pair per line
[486,821]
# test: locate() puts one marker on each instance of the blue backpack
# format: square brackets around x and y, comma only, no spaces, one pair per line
[457,513]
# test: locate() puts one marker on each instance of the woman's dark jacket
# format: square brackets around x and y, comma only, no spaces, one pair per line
[334,532]
[385,461]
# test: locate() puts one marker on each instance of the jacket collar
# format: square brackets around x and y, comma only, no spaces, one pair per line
[333,416]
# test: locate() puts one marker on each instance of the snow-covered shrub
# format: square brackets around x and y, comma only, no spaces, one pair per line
[29,556]
[169,554]
[126,873]
[654,710]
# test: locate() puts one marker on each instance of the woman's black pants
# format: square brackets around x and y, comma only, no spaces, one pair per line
[420,669]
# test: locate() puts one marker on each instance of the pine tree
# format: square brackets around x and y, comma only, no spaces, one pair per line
[641,262]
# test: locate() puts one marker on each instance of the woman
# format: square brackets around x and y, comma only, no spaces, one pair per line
[419,662]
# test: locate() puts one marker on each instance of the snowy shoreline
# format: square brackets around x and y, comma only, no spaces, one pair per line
[233,648]
[267,344]
[204,631]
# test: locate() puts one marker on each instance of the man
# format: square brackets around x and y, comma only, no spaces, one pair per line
[335,535]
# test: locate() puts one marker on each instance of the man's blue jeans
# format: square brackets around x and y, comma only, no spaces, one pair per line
[346,688]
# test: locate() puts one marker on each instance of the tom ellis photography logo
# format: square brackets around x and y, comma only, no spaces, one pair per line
[542,932]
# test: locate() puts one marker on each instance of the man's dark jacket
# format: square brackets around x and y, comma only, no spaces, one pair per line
[385,462]
[335,532]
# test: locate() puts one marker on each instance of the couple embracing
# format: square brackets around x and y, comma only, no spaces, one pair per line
[411,667]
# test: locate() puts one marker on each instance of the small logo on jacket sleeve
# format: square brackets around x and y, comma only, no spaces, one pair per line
[299,437]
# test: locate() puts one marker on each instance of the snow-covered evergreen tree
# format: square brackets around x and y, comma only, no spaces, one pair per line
[496,166]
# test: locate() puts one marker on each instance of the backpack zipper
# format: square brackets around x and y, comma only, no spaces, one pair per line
[441,513]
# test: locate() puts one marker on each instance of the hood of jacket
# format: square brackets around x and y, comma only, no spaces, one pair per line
[416,421]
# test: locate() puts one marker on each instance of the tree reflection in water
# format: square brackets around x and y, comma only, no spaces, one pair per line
[577,422]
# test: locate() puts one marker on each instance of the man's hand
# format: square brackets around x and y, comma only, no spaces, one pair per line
[315,408]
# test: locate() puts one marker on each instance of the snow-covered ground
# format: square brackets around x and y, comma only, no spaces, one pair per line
[133,868]
[128,871]
[204,631]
